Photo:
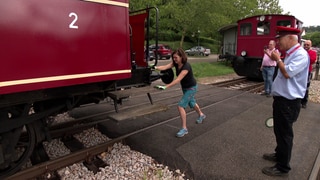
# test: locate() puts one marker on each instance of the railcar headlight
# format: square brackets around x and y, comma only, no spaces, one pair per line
[262,18]
[243,53]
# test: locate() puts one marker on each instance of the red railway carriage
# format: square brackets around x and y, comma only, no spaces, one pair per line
[253,34]
[58,55]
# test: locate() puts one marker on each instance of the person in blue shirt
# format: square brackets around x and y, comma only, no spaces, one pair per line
[288,89]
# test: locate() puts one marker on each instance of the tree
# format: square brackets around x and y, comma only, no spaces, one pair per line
[269,7]
[314,37]
[188,17]
[177,17]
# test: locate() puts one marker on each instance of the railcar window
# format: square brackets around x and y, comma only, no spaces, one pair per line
[286,23]
[263,28]
[245,29]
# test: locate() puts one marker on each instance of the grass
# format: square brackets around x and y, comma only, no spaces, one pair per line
[209,69]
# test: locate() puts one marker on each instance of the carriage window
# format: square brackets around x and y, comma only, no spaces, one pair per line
[263,28]
[286,23]
[245,29]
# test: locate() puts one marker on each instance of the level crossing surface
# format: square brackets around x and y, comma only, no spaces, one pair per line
[231,141]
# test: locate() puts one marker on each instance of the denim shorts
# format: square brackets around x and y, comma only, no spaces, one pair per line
[188,97]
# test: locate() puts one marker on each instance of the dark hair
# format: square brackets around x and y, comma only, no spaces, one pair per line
[180,52]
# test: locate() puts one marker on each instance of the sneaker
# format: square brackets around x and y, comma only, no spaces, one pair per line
[273,171]
[200,119]
[182,132]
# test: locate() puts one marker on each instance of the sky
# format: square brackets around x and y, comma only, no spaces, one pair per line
[306,11]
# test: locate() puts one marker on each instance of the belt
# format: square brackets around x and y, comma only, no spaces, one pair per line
[285,99]
[268,66]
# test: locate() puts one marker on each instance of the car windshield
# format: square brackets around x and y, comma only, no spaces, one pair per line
[166,47]
[197,48]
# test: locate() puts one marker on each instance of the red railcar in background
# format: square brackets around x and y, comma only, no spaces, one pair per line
[58,55]
[245,41]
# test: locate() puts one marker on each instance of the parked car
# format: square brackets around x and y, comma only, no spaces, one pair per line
[150,55]
[198,51]
[164,51]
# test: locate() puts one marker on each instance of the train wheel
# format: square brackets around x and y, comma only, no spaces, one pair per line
[23,150]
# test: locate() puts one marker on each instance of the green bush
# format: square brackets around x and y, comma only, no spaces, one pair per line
[173,40]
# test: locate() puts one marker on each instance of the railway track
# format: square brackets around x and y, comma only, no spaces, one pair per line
[45,167]
[242,84]
[90,155]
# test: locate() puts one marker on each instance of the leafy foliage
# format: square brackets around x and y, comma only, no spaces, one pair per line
[314,37]
[194,20]
[312,29]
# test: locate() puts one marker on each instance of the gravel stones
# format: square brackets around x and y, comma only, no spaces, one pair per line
[123,163]
[314,91]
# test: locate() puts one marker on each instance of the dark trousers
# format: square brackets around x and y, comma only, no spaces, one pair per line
[285,113]
[306,96]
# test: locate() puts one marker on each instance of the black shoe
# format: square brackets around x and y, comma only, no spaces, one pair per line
[273,171]
[304,106]
[270,157]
